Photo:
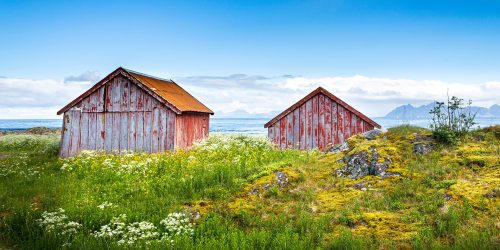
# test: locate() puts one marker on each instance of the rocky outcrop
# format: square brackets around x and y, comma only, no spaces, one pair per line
[372,134]
[344,146]
[423,148]
[281,181]
[423,145]
[362,164]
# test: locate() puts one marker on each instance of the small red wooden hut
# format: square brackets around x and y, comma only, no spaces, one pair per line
[318,120]
[131,111]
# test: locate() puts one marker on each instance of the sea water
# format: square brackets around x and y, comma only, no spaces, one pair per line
[249,126]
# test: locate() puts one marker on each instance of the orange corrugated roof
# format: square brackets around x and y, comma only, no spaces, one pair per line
[171,92]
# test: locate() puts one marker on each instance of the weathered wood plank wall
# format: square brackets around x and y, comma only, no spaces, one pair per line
[189,128]
[318,123]
[120,116]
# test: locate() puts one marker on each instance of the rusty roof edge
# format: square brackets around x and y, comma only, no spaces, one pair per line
[211,112]
[312,94]
[156,95]
[150,76]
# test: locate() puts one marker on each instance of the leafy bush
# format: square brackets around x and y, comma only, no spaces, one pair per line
[452,120]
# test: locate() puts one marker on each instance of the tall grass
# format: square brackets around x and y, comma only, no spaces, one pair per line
[129,201]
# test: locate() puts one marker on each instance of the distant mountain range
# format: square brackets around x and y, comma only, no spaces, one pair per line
[410,112]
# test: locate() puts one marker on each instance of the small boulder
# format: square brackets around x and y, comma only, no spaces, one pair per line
[344,146]
[281,179]
[372,134]
[360,186]
[423,148]
[361,164]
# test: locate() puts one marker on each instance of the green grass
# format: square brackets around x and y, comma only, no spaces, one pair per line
[216,179]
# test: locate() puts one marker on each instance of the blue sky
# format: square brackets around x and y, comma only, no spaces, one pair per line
[446,41]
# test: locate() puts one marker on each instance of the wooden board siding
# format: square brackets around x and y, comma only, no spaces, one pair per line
[120,116]
[190,128]
[320,122]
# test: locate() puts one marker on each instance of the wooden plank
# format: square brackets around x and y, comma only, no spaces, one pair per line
[270,133]
[147,102]
[162,130]
[283,133]
[289,130]
[84,131]
[296,128]
[100,99]
[109,95]
[108,144]
[92,130]
[132,128]
[347,124]
[321,122]
[140,100]
[340,123]
[359,130]
[116,127]
[171,130]
[65,135]
[315,117]
[309,124]
[302,127]
[139,137]
[117,94]
[85,104]
[75,132]
[353,124]
[206,126]
[123,131]
[148,129]
[125,96]
[133,97]
[155,128]
[328,123]
[100,131]
[335,118]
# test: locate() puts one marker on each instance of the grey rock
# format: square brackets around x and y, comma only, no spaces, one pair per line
[280,182]
[372,134]
[361,164]
[423,148]
[447,196]
[344,146]
[360,186]
[492,194]
[281,179]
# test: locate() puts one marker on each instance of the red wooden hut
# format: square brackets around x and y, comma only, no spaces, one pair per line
[131,111]
[318,120]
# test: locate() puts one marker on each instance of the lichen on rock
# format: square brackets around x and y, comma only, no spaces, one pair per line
[362,164]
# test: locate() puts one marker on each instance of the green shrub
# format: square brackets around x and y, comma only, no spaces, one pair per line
[452,120]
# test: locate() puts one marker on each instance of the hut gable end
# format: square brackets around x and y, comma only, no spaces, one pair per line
[319,120]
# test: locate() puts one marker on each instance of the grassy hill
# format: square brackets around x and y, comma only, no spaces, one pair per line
[235,192]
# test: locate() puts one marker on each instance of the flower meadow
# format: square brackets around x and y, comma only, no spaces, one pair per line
[240,192]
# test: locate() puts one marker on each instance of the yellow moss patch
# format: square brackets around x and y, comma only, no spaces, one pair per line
[201,206]
[475,185]
[331,200]
[385,225]
[243,204]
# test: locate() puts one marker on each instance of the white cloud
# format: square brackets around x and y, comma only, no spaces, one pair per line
[373,96]
[28,98]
